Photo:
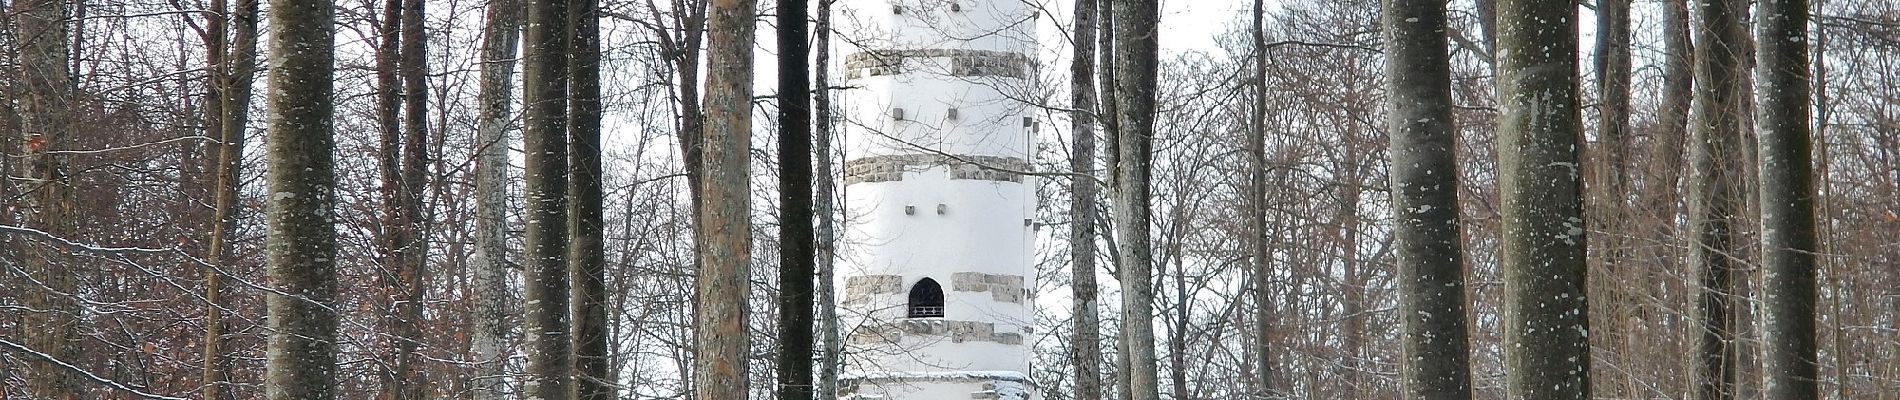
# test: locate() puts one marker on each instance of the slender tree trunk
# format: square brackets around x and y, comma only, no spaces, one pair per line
[1608,190]
[300,240]
[1086,353]
[692,121]
[724,224]
[44,102]
[1659,188]
[1136,46]
[391,232]
[1546,341]
[587,258]
[1424,171]
[1715,195]
[544,142]
[825,208]
[1262,251]
[232,79]
[795,209]
[500,38]
[412,243]
[1789,241]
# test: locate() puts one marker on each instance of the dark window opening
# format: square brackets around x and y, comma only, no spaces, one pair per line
[926,299]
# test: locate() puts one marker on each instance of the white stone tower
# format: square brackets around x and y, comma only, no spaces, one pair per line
[935,262]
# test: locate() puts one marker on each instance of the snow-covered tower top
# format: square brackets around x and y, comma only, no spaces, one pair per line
[935,261]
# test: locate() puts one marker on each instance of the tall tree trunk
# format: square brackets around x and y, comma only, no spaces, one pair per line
[1135,47]
[724,224]
[44,102]
[824,250]
[500,38]
[795,209]
[412,243]
[231,91]
[544,142]
[300,240]
[1086,345]
[1715,195]
[1424,171]
[587,258]
[1267,385]
[1546,344]
[1659,188]
[1608,190]
[1789,241]
[795,203]
[391,232]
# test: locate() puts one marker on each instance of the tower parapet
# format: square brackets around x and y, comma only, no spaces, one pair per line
[936,258]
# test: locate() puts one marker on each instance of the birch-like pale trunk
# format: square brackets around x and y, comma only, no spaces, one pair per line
[489,282]
[1543,239]
[300,236]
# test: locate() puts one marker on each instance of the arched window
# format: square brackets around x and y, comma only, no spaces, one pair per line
[926,299]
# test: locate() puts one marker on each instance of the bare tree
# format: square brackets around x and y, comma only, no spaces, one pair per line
[234,68]
[824,207]
[1546,341]
[1086,340]
[796,271]
[1789,240]
[1715,193]
[1136,49]
[501,34]
[587,262]
[544,140]
[45,99]
[1424,174]
[302,186]
[720,368]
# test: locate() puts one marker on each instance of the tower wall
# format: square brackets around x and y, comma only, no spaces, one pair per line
[936,140]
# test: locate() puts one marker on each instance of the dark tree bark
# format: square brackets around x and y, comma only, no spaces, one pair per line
[46,126]
[500,38]
[825,208]
[1136,49]
[301,221]
[720,367]
[392,232]
[544,142]
[1608,189]
[1086,342]
[234,68]
[587,258]
[795,203]
[1716,193]
[1546,341]
[1789,244]
[1267,384]
[410,240]
[1424,171]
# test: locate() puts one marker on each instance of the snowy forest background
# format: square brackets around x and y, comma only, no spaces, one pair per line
[144,168]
